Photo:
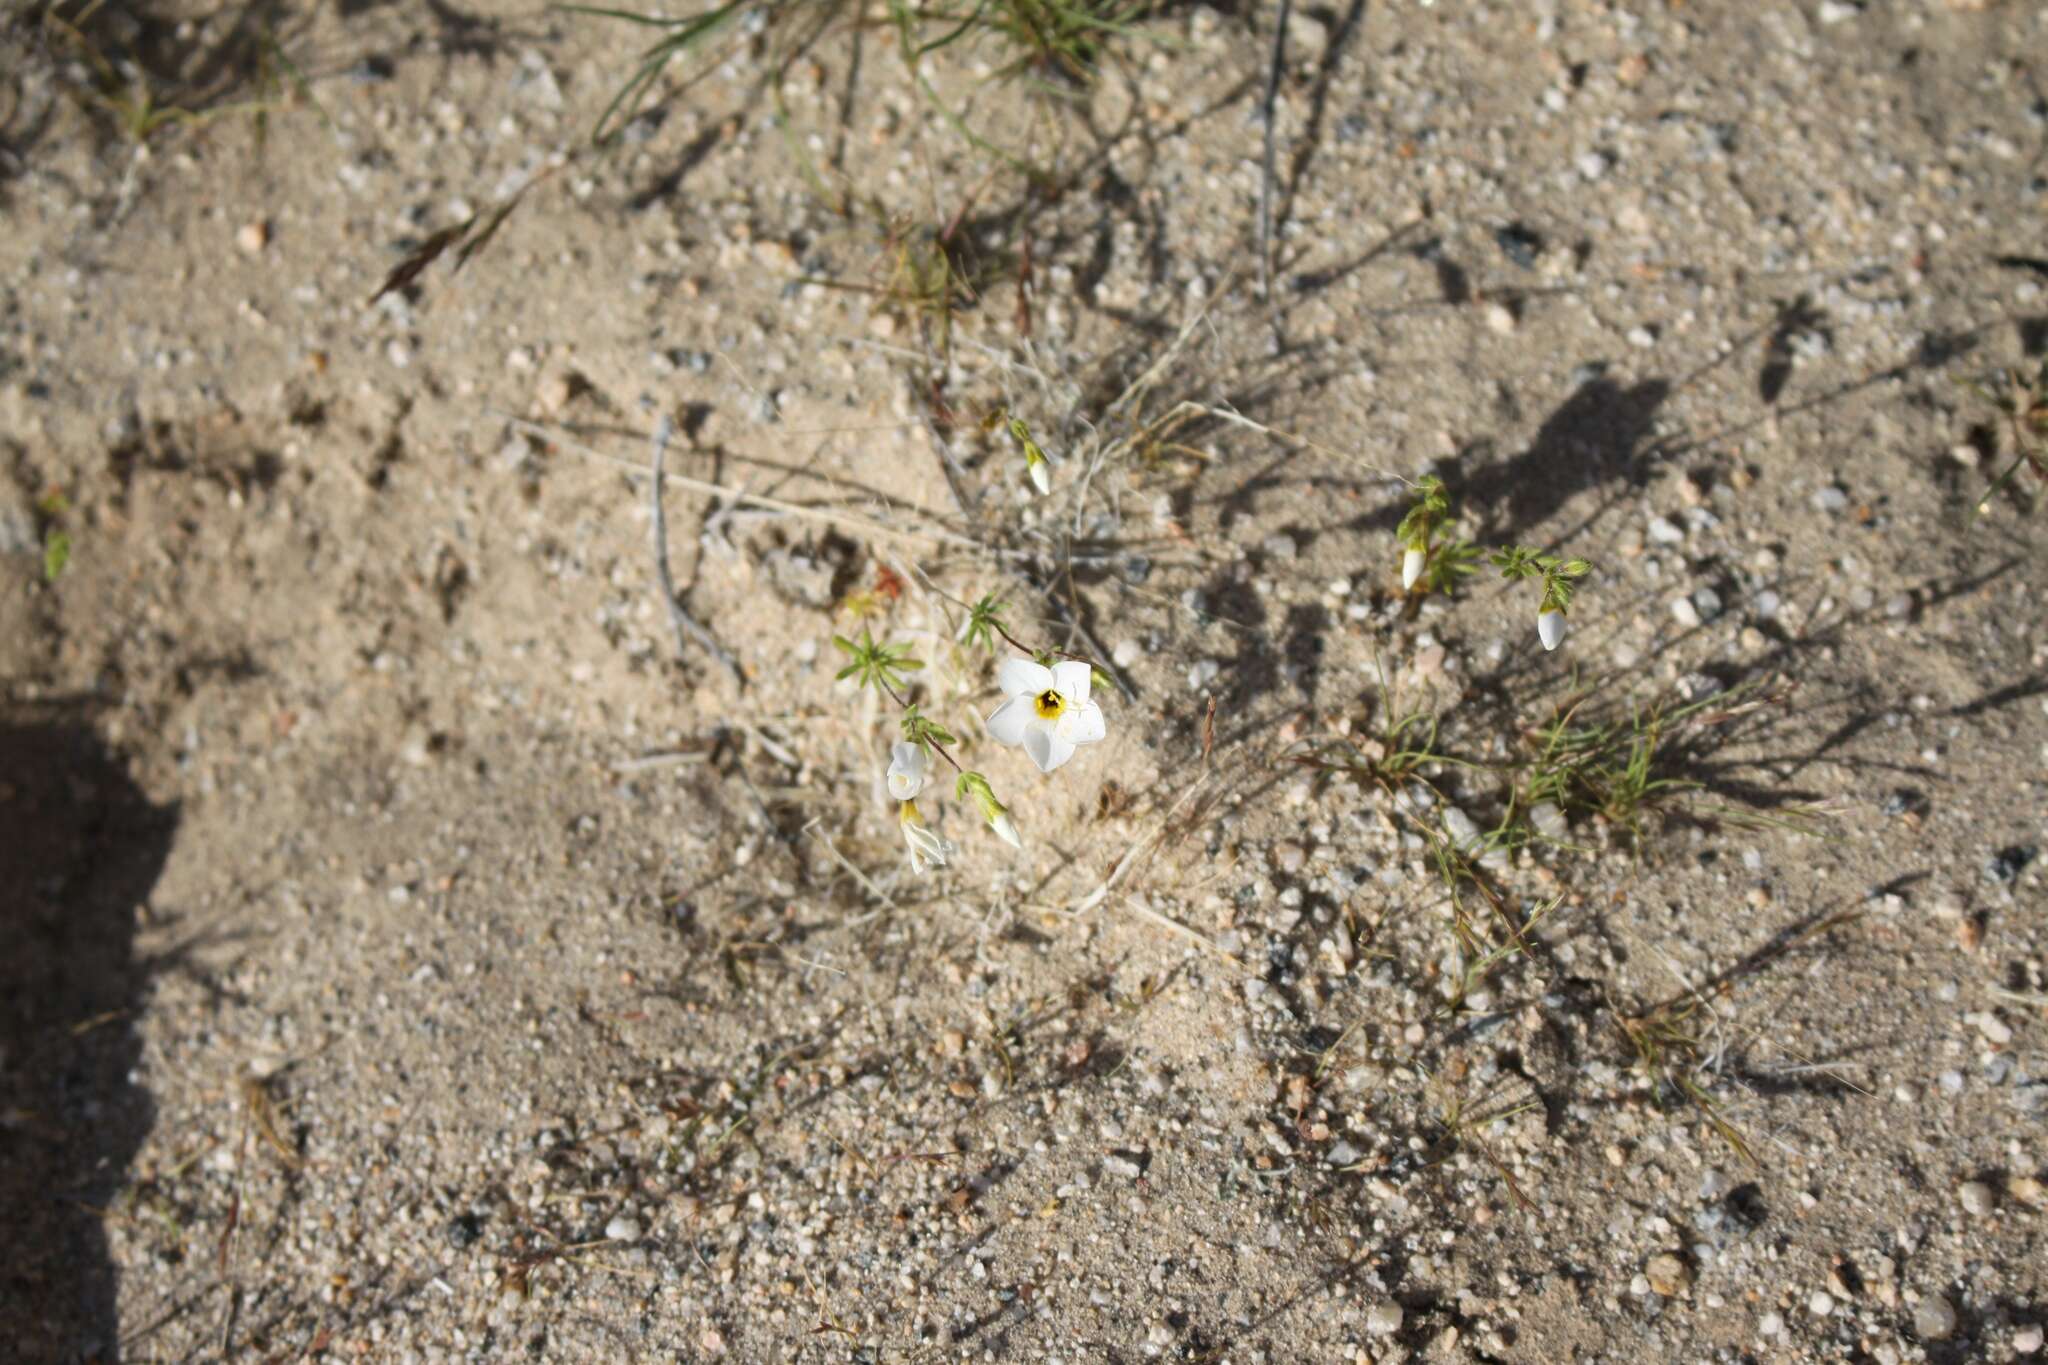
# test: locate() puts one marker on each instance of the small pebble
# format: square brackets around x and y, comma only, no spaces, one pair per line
[2026,1339]
[622,1229]
[1126,653]
[1934,1318]
[1384,1320]
[1668,1275]
[253,237]
[1820,1303]
[1830,499]
[1684,612]
[1976,1198]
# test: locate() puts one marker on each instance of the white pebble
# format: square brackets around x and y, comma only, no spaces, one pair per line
[623,1229]
[2026,1339]
[1975,1197]
[1384,1320]
[1934,1319]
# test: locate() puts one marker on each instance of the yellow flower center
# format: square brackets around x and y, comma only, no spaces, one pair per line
[1050,704]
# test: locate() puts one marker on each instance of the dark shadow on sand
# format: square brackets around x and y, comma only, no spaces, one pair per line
[80,850]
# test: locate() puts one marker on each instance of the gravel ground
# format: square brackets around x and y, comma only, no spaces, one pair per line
[419,953]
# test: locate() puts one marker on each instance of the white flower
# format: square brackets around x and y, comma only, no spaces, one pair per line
[1040,470]
[1411,566]
[1006,829]
[1550,627]
[908,767]
[927,849]
[1048,711]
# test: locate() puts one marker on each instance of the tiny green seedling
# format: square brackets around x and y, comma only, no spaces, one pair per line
[56,539]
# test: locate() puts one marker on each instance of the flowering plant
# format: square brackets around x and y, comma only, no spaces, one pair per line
[1048,711]
[1446,561]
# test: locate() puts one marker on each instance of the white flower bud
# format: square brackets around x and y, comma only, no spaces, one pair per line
[908,767]
[1006,829]
[1550,627]
[1041,476]
[1411,566]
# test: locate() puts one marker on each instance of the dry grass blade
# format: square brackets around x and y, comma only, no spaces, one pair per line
[262,1112]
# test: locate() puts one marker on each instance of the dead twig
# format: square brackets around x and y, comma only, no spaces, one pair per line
[1269,107]
[686,625]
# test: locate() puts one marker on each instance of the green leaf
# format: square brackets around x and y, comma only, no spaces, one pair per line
[56,554]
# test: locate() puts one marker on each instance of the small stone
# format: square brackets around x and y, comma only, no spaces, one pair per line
[1830,499]
[1384,1320]
[1518,244]
[1289,857]
[2026,1339]
[1500,317]
[1279,545]
[1668,1275]
[1707,603]
[1123,1165]
[1820,1303]
[1976,1198]
[1934,1318]
[1203,673]
[1642,338]
[253,237]
[1995,1030]
[1593,165]
[1685,612]
[622,1229]
[2024,1189]
[1126,653]
[1665,531]
[2007,864]
[1837,11]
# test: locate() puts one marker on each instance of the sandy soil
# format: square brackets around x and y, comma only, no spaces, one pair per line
[414,954]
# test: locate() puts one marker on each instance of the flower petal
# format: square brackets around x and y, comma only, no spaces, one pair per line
[1081,724]
[1006,725]
[1023,678]
[1071,677]
[1047,749]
